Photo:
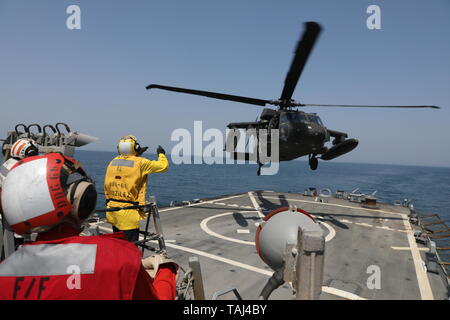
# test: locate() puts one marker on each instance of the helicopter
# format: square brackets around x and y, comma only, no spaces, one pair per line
[300,133]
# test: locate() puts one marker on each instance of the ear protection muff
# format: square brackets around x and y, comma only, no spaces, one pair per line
[31,151]
[82,196]
[135,145]
[80,191]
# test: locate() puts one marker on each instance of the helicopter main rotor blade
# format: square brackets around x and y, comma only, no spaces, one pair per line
[364,106]
[302,53]
[215,95]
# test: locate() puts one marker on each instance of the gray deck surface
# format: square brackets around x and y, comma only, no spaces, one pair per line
[357,238]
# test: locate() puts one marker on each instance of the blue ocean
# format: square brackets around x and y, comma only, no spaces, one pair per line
[427,187]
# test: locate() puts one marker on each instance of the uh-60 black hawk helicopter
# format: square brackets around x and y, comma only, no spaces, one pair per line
[300,133]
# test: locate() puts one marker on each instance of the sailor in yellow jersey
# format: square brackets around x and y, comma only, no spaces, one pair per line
[126,184]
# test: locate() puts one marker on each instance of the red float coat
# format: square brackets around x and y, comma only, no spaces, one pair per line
[83,268]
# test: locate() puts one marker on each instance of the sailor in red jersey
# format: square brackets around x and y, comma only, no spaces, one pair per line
[51,195]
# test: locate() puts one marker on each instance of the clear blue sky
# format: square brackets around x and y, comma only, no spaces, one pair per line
[95,78]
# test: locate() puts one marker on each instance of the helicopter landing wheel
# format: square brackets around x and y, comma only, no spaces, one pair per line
[259,169]
[313,163]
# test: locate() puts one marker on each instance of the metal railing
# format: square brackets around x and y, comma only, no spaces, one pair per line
[434,233]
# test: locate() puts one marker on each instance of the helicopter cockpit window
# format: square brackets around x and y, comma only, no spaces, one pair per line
[295,117]
[283,118]
[315,119]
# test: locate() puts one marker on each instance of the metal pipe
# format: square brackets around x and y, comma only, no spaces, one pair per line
[275,281]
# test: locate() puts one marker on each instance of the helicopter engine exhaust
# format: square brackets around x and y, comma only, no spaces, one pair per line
[340,149]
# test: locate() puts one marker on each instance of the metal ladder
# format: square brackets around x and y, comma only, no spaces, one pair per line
[151,209]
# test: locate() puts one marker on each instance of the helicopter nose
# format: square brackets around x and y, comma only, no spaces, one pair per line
[315,130]
[317,134]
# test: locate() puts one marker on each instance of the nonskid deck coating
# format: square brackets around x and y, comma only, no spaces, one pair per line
[221,232]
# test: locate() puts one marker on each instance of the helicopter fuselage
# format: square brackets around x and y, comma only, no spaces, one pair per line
[300,133]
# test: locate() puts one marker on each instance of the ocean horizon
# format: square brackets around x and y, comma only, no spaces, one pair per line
[427,187]
[302,159]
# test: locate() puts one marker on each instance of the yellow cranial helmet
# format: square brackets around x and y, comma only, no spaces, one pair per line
[128,145]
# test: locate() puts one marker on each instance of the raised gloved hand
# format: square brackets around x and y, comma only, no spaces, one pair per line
[141,151]
[160,150]
[152,264]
